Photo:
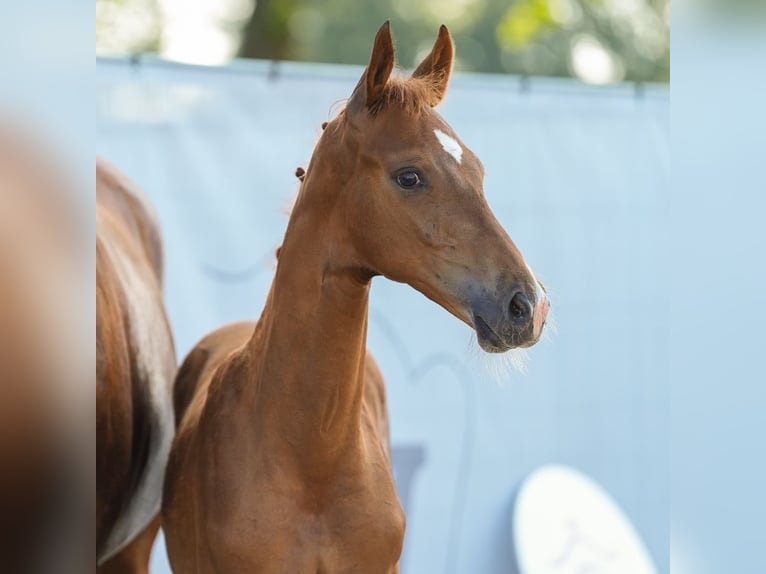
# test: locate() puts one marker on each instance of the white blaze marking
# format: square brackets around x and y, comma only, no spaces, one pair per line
[450,145]
[539,293]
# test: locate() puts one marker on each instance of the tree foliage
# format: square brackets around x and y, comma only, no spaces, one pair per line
[596,40]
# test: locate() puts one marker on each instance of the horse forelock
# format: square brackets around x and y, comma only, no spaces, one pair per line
[413,95]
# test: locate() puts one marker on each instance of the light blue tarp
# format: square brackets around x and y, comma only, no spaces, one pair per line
[578,176]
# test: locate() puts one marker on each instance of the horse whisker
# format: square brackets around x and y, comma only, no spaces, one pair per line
[499,367]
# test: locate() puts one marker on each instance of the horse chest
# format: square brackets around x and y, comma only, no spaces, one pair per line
[359,532]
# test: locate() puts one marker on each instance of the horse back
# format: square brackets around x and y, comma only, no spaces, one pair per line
[128,207]
[197,370]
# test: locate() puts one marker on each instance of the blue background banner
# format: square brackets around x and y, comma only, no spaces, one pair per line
[579,176]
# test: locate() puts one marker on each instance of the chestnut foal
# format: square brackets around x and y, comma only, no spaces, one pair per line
[281,463]
[135,366]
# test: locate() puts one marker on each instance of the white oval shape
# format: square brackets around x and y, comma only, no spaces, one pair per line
[564,523]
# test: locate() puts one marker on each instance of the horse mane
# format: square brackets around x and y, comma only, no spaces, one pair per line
[414,95]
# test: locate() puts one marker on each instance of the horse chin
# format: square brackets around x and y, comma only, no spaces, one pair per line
[489,341]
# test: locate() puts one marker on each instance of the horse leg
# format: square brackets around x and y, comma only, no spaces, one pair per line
[134,558]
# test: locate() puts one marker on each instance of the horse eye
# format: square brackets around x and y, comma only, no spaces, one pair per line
[408,179]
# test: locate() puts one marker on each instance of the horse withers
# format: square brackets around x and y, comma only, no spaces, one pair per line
[282,463]
[135,367]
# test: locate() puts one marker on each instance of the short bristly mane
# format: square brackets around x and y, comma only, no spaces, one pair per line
[414,95]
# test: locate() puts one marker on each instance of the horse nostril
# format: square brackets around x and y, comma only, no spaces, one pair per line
[521,309]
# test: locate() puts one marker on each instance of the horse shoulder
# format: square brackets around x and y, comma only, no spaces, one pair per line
[202,368]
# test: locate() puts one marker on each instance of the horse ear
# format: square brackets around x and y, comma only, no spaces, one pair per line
[436,68]
[375,76]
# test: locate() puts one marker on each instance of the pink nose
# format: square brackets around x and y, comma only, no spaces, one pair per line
[540,315]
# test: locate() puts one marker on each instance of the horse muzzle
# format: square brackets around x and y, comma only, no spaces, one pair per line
[516,321]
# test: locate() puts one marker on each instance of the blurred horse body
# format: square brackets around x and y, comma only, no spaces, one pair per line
[45,458]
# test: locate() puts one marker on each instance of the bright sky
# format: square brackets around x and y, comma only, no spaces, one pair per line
[202,31]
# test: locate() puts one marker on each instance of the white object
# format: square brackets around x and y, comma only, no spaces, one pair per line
[450,145]
[564,523]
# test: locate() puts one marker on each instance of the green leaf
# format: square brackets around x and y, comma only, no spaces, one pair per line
[524,23]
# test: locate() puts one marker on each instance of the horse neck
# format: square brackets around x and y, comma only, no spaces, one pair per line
[312,343]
